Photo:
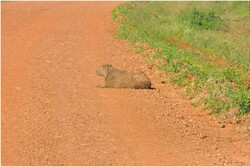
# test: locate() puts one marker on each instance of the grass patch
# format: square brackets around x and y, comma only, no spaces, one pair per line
[202,46]
[203,20]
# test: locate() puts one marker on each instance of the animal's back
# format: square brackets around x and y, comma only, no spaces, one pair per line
[115,78]
[141,80]
[119,79]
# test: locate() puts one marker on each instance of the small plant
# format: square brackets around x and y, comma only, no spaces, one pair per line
[203,20]
[242,99]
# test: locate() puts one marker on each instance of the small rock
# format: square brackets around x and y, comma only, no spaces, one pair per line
[83,144]
[236,121]
[222,126]
[181,117]
[150,66]
[18,88]
[203,136]
[216,148]
[163,81]
[208,155]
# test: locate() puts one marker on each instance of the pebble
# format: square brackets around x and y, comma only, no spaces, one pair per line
[181,117]
[222,126]
[208,155]
[150,66]
[203,136]
[236,121]
[18,88]
[215,147]
[163,81]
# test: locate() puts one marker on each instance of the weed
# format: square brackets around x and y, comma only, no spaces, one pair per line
[202,20]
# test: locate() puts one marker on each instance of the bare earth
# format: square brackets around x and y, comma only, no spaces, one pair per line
[53,114]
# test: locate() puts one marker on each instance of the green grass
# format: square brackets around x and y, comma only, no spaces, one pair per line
[202,46]
[203,20]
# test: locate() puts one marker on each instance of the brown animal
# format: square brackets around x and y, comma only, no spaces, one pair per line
[115,78]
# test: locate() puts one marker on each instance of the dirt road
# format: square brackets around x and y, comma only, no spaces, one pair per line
[53,114]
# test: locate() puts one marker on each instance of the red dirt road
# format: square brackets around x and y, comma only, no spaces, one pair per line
[53,114]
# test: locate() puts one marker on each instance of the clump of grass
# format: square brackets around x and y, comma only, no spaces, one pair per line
[203,20]
[196,45]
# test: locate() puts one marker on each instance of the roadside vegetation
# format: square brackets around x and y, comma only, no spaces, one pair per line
[201,46]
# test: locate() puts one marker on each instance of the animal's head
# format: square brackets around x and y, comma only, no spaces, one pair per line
[103,70]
